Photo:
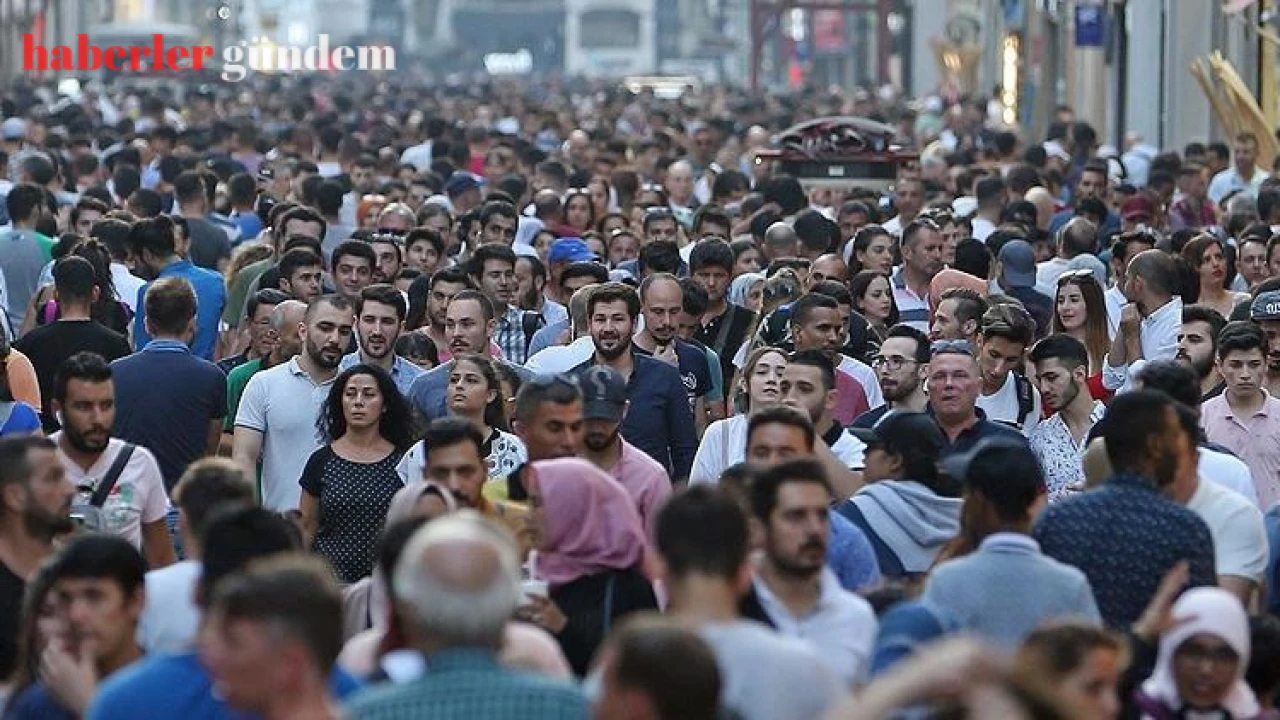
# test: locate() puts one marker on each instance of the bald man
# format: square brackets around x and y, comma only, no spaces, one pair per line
[679,184]
[456,585]
[780,241]
[828,267]
[1045,205]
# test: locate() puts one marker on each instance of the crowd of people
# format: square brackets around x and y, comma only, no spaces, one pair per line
[329,399]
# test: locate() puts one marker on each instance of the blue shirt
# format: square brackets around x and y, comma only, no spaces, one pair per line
[1125,536]
[23,419]
[177,686]
[165,399]
[403,372]
[695,370]
[211,296]
[37,703]
[850,555]
[547,336]
[658,420]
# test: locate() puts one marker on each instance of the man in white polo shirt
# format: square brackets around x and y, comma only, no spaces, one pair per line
[276,422]
[119,487]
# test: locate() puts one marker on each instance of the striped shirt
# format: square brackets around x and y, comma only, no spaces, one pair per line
[913,309]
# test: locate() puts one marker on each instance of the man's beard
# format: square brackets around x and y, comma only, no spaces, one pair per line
[1202,366]
[529,301]
[795,569]
[1069,396]
[622,346]
[39,523]
[599,442]
[902,392]
[82,443]
[316,354]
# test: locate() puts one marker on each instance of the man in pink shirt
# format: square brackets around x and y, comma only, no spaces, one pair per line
[604,395]
[1245,418]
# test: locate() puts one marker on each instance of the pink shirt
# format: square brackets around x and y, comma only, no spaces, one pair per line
[851,399]
[1255,440]
[138,496]
[445,355]
[644,479]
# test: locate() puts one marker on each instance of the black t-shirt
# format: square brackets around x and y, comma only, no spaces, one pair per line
[48,346]
[12,588]
[725,334]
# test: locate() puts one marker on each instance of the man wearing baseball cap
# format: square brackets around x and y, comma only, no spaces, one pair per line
[604,395]
[1007,587]
[906,509]
[1016,271]
[1265,311]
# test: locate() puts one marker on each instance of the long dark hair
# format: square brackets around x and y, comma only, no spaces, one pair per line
[26,668]
[494,410]
[106,310]
[397,425]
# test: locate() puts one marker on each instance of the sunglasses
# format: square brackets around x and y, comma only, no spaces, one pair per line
[951,347]
[1077,274]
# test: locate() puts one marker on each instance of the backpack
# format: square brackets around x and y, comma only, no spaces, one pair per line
[531,322]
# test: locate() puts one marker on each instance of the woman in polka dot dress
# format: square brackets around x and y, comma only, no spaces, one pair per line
[348,484]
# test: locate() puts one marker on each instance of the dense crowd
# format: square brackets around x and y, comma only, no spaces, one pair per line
[392,399]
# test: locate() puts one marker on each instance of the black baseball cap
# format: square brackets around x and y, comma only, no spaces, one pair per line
[604,393]
[901,431]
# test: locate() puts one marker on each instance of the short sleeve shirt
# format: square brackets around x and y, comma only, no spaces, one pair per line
[138,496]
[283,403]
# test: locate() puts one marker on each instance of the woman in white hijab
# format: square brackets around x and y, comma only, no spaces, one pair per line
[1201,662]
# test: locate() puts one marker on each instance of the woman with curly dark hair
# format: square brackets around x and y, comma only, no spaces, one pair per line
[348,484]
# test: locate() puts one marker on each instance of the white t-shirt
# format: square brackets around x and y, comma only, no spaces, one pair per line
[1003,405]
[724,444]
[138,496]
[1240,545]
[283,403]
[1228,471]
[170,619]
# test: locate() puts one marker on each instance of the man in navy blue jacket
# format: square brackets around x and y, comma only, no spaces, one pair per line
[659,420]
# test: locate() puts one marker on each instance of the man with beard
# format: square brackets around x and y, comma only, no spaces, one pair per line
[135,504]
[493,268]
[1265,311]
[469,325]
[1126,535]
[658,421]
[153,245]
[661,302]
[808,384]
[797,592]
[35,506]
[1062,373]
[388,253]
[168,400]
[1198,347]
[380,316]
[275,423]
[1246,418]
[531,285]
[605,395]
[901,366]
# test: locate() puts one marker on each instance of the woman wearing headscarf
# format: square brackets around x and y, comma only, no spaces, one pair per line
[591,551]
[745,291]
[1201,662]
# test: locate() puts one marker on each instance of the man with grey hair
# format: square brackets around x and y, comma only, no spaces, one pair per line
[284,320]
[456,586]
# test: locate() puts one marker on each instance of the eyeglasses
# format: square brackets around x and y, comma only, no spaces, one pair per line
[892,362]
[951,347]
